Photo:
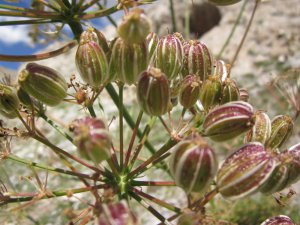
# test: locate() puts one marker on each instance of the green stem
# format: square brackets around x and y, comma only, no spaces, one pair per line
[92,111]
[113,22]
[153,183]
[187,19]
[24,22]
[45,15]
[172,10]
[121,135]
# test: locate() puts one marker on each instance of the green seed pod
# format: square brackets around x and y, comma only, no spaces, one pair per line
[92,139]
[211,93]
[282,128]
[278,220]
[197,60]
[261,130]
[193,165]
[230,91]
[221,70]
[92,34]
[153,92]
[189,91]
[135,27]
[43,83]
[91,61]
[224,2]
[228,121]
[151,42]
[9,101]
[24,98]
[169,56]
[245,171]
[244,94]
[127,61]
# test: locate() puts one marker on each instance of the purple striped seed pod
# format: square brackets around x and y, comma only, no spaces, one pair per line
[197,60]
[189,91]
[43,83]
[92,139]
[92,34]
[278,220]
[224,2]
[91,61]
[151,42]
[153,92]
[228,121]
[211,93]
[135,27]
[169,56]
[230,91]
[244,94]
[127,61]
[261,130]
[282,128]
[221,70]
[193,165]
[245,171]
[9,102]
[116,214]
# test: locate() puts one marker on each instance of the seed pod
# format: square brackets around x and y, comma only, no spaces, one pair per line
[282,128]
[278,220]
[43,83]
[92,139]
[193,165]
[135,27]
[197,60]
[211,93]
[169,56]
[94,35]
[220,69]
[230,91]
[127,61]
[244,94]
[116,214]
[91,60]
[9,102]
[153,92]
[228,121]
[224,2]
[24,98]
[245,171]
[261,130]
[151,42]
[180,37]
[189,91]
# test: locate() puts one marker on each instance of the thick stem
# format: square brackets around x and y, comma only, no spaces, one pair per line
[121,134]
[92,111]
[172,10]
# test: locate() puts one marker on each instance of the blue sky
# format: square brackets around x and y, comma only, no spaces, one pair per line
[14,40]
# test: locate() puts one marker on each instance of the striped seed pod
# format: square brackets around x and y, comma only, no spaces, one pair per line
[245,171]
[180,37]
[221,69]
[153,92]
[211,92]
[197,60]
[244,94]
[228,121]
[9,102]
[92,139]
[282,128]
[135,27]
[151,42]
[224,2]
[193,165]
[43,83]
[261,130]
[127,61]
[91,60]
[116,214]
[230,91]
[189,91]
[169,56]
[24,98]
[92,34]
[278,220]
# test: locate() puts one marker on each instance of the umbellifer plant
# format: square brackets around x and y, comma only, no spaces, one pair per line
[168,73]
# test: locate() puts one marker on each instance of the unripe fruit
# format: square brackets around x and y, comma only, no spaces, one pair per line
[197,60]
[189,91]
[282,128]
[230,91]
[92,139]
[151,42]
[228,121]
[43,83]
[220,69]
[278,220]
[153,92]
[94,35]
[211,93]
[9,102]
[193,165]
[135,27]
[261,130]
[91,60]
[224,2]
[169,56]
[245,171]
[127,61]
